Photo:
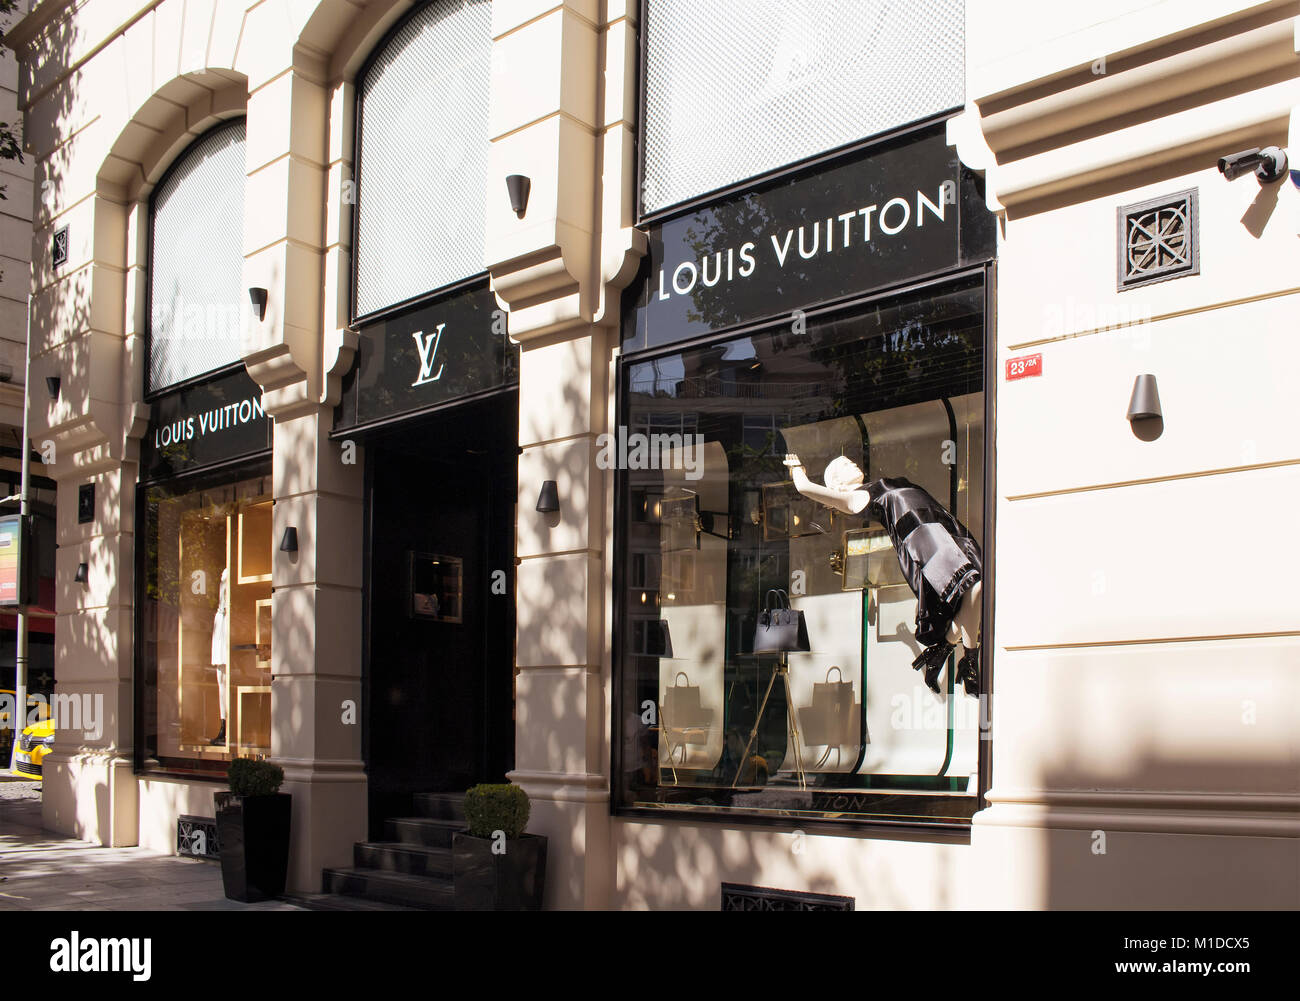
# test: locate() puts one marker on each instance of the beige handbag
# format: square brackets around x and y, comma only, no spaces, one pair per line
[832,719]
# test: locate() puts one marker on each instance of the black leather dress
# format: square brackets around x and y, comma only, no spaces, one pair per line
[941,562]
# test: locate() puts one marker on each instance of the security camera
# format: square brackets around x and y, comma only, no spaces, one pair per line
[1267,164]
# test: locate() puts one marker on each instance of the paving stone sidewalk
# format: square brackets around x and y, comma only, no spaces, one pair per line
[40,871]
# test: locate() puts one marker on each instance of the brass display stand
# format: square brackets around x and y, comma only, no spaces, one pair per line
[782,670]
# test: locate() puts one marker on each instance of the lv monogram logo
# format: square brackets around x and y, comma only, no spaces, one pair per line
[427,345]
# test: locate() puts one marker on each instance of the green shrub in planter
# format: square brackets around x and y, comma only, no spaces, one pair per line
[491,872]
[254,778]
[491,808]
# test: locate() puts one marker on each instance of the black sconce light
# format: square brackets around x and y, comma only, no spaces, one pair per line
[1144,414]
[52,383]
[257,296]
[289,542]
[518,185]
[83,573]
[548,501]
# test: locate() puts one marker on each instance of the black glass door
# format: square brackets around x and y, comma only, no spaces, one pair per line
[440,602]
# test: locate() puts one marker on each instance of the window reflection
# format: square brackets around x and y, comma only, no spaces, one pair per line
[897,388]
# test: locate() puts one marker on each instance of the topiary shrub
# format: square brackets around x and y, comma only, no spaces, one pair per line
[254,778]
[490,808]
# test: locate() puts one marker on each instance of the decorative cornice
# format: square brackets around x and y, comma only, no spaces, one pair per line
[284,382]
[562,787]
[1151,104]
[41,16]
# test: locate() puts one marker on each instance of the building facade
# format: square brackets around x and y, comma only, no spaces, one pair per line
[15,280]
[455,391]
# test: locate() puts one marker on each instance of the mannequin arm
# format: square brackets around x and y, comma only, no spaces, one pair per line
[851,502]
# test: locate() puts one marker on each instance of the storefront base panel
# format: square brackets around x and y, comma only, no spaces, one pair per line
[92,796]
[682,866]
[163,799]
[1107,865]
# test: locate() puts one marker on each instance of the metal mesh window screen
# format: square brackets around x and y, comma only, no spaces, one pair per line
[736,88]
[196,261]
[422,157]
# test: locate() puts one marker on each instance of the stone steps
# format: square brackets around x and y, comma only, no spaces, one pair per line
[411,869]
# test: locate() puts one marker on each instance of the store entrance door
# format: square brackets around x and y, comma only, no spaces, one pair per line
[440,605]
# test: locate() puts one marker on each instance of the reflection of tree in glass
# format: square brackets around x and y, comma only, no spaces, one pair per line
[711,233]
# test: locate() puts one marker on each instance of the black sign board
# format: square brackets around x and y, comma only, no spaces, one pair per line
[427,356]
[899,211]
[203,424]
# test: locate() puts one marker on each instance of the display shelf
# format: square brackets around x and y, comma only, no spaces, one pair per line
[254,548]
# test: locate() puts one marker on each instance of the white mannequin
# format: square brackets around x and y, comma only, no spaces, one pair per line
[843,492]
[220,650]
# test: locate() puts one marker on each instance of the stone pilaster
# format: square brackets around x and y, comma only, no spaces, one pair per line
[562,114]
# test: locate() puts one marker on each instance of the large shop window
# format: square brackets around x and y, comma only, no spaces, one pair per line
[737,88]
[205,696]
[196,260]
[886,402]
[422,147]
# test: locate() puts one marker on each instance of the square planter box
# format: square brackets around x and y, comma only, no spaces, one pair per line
[254,832]
[511,881]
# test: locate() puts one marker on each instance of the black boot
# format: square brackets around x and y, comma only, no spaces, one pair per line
[932,659]
[220,738]
[968,671]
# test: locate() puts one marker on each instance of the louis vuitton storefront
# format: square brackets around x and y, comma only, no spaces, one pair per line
[805,363]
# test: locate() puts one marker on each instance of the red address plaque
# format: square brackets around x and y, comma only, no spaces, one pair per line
[1024,367]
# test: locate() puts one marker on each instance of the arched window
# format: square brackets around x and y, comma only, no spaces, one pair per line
[196,259]
[421,161]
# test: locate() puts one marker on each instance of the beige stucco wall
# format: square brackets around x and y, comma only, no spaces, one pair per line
[1148,661]
[1135,637]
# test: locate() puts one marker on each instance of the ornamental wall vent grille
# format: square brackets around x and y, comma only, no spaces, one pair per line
[1158,240]
[738,897]
[196,837]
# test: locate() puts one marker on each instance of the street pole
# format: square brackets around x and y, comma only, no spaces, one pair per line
[20,656]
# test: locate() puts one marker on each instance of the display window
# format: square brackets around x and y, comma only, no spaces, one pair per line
[800,569]
[206,622]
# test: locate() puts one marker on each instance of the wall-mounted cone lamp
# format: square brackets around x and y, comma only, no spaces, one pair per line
[1144,405]
[289,542]
[257,296]
[1144,414]
[518,185]
[83,573]
[52,383]
[548,501]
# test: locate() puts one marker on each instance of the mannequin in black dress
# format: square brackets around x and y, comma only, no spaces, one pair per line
[939,558]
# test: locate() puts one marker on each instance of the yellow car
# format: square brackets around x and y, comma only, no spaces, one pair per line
[36,742]
[34,701]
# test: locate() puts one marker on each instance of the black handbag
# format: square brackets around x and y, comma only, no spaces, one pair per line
[780,628]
